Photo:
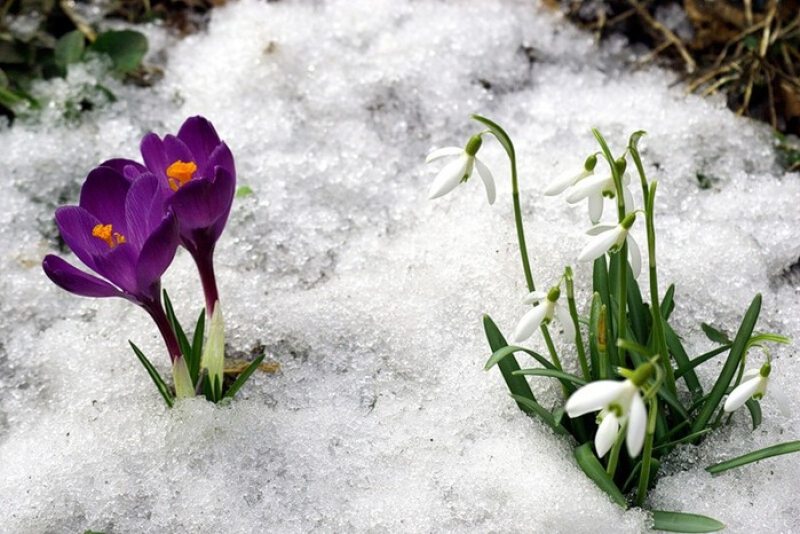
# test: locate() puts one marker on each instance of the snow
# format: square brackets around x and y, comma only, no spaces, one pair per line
[369,296]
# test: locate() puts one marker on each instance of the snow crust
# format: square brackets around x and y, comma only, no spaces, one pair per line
[370,297]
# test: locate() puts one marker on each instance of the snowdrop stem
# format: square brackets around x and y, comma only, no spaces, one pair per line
[647,451]
[573,312]
[613,457]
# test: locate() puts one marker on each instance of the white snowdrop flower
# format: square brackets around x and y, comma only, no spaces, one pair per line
[609,238]
[754,385]
[571,178]
[598,188]
[618,403]
[460,169]
[543,313]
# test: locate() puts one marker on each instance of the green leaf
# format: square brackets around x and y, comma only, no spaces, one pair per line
[242,378]
[638,314]
[196,354]
[183,341]
[157,380]
[126,48]
[755,456]
[633,142]
[668,303]
[715,335]
[690,365]
[595,471]
[755,411]
[244,191]
[531,407]
[683,522]
[517,385]
[731,364]
[684,439]
[504,352]
[682,360]
[500,134]
[69,49]
[553,373]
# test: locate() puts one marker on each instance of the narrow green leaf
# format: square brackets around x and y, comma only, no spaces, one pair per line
[715,335]
[553,373]
[244,191]
[638,314]
[595,471]
[755,411]
[157,380]
[126,48]
[683,522]
[504,352]
[685,439]
[531,407]
[242,378]
[668,303]
[594,352]
[69,49]
[685,368]
[197,347]
[668,397]
[755,456]
[500,134]
[183,341]
[517,385]
[731,364]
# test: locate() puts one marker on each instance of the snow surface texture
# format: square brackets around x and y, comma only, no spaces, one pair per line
[369,296]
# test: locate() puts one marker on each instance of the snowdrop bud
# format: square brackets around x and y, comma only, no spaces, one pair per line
[590,163]
[473,145]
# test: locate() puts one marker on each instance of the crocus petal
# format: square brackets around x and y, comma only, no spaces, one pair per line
[201,203]
[488,180]
[157,254]
[529,323]
[118,266]
[593,396]
[144,209]
[103,195]
[595,207]
[449,177]
[741,393]
[200,137]
[155,157]
[126,167]
[225,184]
[444,152]
[76,281]
[75,225]
[566,320]
[635,256]
[606,434]
[587,187]
[637,426]
[534,296]
[220,157]
[600,244]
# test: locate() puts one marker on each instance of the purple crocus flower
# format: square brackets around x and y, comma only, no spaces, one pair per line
[197,178]
[121,231]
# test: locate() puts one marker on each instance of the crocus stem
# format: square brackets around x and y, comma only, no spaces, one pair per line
[205,267]
[157,313]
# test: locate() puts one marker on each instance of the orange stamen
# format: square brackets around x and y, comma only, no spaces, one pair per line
[106,233]
[180,172]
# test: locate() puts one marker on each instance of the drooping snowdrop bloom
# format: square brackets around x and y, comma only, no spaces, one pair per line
[609,238]
[560,184]
[460,169]
[754,385]
[597,188]
[548,308]
[619,403]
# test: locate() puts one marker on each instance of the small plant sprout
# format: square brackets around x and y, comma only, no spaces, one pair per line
[131,219]
[460,169]
[754,387]
[610,238]
[570,178]
[660,401]
[547,308]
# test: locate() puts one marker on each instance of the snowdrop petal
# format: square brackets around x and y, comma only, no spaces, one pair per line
[741,393]
[762,386]
[593,396]
[587,187]
[560,184]
[534,296]
[529,323]
[635,256]
[627,196]
[595,208]
[600,228]
[750,373]
[449,177]
[444,152]
[488,180]
[637,426]
[600,244]
[606,434]
[566,321]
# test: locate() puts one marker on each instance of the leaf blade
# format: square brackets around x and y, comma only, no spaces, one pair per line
[684,522]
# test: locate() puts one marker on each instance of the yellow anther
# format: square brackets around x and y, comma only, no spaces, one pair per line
[180,172]
[106,233]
